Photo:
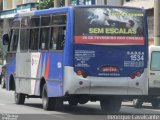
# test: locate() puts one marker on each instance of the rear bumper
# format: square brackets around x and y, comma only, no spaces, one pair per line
[104,85]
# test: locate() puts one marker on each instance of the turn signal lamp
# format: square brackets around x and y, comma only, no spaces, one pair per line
[138,74]
[81,73]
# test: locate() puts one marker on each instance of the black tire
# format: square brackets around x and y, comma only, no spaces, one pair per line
[137,103]
[111,105]
[3,84]
[19,98]
[47,103]
[73,102]
[155,104]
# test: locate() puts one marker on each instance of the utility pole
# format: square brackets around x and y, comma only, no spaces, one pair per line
[56,3]
[68,2]
[157,22]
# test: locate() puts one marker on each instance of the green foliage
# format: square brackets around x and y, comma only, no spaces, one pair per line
[44,4]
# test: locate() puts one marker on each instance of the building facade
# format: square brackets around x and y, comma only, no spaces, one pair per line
[12,4]
[97,2]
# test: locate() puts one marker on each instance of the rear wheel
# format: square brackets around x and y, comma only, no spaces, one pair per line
[137,103]
[111,105]
[47,102]
[19,98]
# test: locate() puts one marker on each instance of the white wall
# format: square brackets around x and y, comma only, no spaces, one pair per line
[114,2]
[29,1]
[7,4]
[99,2]
[14,3]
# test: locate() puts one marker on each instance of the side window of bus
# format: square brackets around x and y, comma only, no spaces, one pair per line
[24,39]
[10,37]
[44,33]
[14,40]
[34,33]
[24,34]
[57,38]
[58,32]
[34,39]
[16,23]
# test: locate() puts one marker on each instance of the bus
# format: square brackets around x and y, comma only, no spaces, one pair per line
[78,54]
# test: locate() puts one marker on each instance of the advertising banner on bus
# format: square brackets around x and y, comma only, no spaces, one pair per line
[109,26]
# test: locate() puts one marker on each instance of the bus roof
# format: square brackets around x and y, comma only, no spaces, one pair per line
[43,12]
[108,6]
[65,9]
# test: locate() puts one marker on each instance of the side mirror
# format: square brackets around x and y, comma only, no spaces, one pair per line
[5,39]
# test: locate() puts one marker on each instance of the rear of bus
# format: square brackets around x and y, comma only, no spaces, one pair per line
[110,52]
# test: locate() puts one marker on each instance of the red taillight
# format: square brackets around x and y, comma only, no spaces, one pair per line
[138,74]
[133,75]
[81,73]
[109,69]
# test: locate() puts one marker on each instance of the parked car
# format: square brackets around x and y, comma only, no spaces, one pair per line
[154,80]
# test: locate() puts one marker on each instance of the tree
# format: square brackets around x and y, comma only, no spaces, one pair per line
[44,4]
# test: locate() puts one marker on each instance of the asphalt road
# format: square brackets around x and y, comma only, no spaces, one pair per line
[32,110]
